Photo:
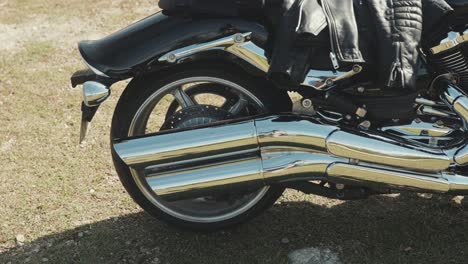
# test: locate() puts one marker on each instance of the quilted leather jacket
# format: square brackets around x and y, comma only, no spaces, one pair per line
[356,30]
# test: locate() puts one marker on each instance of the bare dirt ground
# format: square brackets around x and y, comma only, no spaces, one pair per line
[62,203]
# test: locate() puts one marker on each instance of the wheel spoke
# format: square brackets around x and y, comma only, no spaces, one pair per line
[238,106]
[183,98]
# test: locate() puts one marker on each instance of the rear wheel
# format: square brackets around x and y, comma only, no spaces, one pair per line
[190,96]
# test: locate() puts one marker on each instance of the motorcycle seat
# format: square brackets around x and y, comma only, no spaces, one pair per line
[456,4]
[216,8]
[228,7]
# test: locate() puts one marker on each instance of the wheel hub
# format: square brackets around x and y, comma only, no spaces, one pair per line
[196,115]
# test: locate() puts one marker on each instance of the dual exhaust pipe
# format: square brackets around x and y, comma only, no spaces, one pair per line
[251,153]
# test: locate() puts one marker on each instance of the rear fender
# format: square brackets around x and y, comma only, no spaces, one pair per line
[150,44]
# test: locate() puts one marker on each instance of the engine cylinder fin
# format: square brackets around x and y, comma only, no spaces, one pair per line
[455,61]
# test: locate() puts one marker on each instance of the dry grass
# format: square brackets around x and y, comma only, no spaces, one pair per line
[68,203]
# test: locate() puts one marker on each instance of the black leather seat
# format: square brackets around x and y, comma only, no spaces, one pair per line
[217,8]
[458,3]
[460,6]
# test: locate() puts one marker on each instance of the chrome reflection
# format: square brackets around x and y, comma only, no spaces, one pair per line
[451,94]
[324,80]
[251,53]
[292,133]
[419,128]
[204,143]
[374,150]
[424,101]
[429,110]
[456,98]
[387,178]
[458,183]
[461,156]
[293,166]
[238,44]
[182,184]
[245,174]
[460,106]
[94,93]
[452,41]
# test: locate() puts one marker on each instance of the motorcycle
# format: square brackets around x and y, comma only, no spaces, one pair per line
[203,140]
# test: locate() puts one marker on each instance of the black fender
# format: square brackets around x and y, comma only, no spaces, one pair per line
[137,48]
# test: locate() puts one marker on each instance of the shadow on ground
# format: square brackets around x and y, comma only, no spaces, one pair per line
[405,229]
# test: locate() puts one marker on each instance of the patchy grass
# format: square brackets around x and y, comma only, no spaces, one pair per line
[68,203]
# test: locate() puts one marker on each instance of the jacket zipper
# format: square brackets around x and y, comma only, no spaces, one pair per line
[333,54]
[301,3]
[396,69]
[334,60]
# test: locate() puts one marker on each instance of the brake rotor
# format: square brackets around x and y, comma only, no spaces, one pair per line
[195,115]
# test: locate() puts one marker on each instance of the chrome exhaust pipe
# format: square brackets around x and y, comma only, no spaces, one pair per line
[248,174]
[168,149]
[252,174]
[248,154]
[283,133]
[369,176]
[387,178]
[457,100]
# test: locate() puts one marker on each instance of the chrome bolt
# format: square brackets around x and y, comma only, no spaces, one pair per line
[440,123]
[340,186]
[172,58]
[357,68]
[361,89]
[239,38]
[365,125]
[348,117]
[307,103]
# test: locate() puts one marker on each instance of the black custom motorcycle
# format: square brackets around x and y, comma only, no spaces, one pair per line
[202,139]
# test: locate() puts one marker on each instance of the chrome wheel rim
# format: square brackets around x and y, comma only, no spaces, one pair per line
[203,209]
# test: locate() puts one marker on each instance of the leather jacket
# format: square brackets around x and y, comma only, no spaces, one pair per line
[396,34]
[400,25]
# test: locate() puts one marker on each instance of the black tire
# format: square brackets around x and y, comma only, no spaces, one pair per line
[141,88]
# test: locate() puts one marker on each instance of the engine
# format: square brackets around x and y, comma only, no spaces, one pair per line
[451,56]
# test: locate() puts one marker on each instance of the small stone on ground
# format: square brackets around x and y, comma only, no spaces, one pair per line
[313,256]
[20,238]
